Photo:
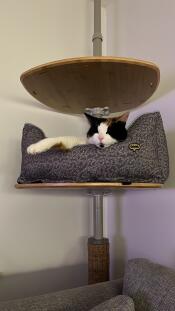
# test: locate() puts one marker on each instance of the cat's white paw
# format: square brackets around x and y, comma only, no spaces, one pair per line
[33,149]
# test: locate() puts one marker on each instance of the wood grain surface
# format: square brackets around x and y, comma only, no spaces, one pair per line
[71,85]
[89,185]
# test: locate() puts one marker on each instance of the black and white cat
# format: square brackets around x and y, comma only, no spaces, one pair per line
[103,132]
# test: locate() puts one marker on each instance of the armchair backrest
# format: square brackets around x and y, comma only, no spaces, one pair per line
[150,285]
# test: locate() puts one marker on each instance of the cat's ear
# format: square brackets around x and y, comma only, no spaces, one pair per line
[123,117]
[90,118]
[93,120]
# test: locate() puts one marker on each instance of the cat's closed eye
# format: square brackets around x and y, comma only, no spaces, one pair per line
[117,130]
[93,129]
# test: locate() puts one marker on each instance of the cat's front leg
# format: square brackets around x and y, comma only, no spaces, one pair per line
[41,146]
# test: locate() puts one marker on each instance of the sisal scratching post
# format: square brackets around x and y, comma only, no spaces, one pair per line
[98,246]
[98,260]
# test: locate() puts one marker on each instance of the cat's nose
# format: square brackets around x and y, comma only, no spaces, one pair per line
[101,137]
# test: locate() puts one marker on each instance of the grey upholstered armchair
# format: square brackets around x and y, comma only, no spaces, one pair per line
[146,287]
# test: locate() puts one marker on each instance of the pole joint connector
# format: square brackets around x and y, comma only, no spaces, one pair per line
[97,36]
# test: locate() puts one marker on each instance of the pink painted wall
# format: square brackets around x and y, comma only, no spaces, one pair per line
[143,222]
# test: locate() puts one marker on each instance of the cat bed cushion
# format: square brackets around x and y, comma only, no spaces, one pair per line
[142,157]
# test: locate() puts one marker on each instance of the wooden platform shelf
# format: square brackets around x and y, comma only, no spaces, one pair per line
[88,185]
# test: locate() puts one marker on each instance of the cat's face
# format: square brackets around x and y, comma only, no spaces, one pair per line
[105,132]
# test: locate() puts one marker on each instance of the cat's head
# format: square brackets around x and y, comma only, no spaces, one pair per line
[104,132]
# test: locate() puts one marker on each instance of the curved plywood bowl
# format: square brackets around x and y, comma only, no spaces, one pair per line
[71,85]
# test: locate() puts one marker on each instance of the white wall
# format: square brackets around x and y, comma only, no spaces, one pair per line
[144,225]
[42,233]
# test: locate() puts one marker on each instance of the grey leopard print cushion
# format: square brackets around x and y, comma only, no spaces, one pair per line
[142,157]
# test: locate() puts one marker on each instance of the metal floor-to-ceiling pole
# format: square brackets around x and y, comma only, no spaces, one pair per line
[98,246]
